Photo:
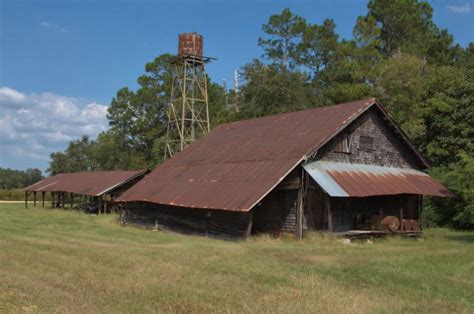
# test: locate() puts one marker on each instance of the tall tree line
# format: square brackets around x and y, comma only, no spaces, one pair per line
[15,179]
[396,54]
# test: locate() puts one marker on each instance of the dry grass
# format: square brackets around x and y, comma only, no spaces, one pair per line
[62,261]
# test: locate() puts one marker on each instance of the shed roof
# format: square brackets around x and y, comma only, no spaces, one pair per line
[94,183]
[340,179]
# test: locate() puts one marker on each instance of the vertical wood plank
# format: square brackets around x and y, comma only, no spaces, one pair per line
[34,198]
[26,199]
[42,198]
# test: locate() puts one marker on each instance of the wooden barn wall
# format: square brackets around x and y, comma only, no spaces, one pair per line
[315,211]
[388,150]
[122,188]
[276,213]
[345,209]
[187,220]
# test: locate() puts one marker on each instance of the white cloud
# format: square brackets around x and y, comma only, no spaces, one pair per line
[464,8]
[10,97]
[32,126]
[53,26]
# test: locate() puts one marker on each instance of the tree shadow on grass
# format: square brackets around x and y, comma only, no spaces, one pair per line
[467,238]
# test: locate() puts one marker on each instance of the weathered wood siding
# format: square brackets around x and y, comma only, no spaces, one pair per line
[187,220]
[388,149]
[276,213]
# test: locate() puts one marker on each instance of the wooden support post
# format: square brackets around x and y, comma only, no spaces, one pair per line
[105,204]
[100,205]
[34,198]
[72,199]
[328,204]
[420,212]
[401,218]
[111,203]
[300,207]
[52,199]
[42,198]
[248,232]
[26,199]
[299,215]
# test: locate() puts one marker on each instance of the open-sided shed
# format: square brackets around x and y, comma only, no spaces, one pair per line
[100,186]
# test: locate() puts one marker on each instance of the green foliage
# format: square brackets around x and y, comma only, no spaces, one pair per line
[271,90]
[76,157]
[284,32]
[459,178]
[15,179]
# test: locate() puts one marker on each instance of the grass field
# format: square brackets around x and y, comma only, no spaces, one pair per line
[63,261]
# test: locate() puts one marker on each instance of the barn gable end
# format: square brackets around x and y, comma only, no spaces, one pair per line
[372,141]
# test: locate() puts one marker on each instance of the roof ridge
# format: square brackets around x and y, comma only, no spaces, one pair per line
[369,101]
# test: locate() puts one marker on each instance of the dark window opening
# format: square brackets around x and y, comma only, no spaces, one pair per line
[366,142]
[344,143]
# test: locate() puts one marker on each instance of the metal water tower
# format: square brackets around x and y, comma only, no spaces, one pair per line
[188,111]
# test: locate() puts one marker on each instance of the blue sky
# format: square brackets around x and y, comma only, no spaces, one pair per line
[61,62]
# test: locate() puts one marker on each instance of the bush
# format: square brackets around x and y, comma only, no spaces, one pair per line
[459,211]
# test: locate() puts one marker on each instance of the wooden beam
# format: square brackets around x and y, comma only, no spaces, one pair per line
[100,205]
[42,198]
[34,198]
[72,199]
[52,199]
[26,199]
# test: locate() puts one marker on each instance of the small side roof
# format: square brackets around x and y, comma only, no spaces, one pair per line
[93,183]
[340,179]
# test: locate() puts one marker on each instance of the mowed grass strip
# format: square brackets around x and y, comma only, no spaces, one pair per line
[65,261]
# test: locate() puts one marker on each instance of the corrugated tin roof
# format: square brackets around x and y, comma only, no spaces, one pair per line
[92,183]
[237,164]
[344,179]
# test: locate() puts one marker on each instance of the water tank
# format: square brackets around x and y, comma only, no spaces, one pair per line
[190,44]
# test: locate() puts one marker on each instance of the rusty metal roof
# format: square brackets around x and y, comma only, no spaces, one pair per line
[357,180]
[94,183]
[237,164]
